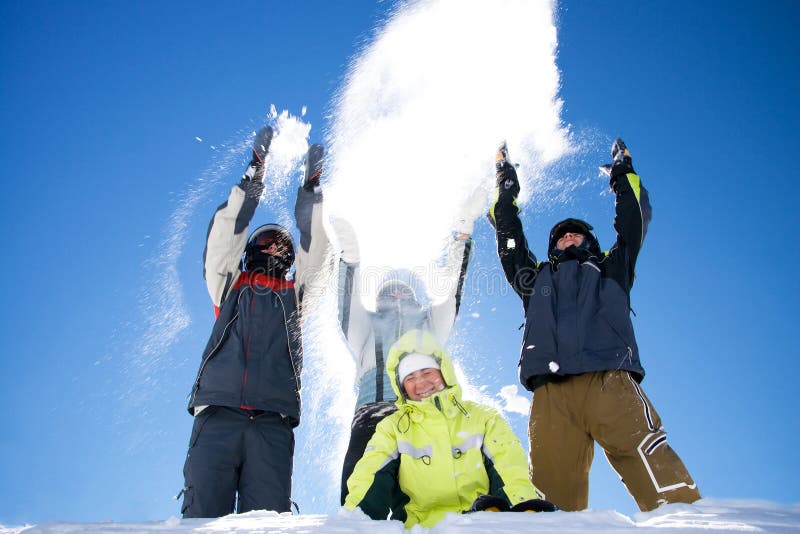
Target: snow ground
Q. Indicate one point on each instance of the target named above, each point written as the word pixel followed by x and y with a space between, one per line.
pixel 708 514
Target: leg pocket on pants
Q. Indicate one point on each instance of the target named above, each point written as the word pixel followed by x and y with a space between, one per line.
pixel 199 422
pixel 188 497
pixel 188 484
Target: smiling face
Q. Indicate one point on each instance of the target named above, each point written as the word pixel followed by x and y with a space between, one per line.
pixel 570 239
pixel 423 383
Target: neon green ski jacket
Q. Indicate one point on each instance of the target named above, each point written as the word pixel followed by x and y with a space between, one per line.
pixel 436 455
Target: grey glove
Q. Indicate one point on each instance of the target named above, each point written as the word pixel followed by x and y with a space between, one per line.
pixel 621 163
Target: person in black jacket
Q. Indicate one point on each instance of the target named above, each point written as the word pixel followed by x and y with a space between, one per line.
pixel 579 355
pixel 246 397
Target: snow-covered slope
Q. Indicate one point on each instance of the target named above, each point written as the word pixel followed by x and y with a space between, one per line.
pixel 708 514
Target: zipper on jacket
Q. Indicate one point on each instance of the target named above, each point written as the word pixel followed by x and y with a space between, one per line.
pixel 454 400
pixel 213 351
pixel 437 403
pixel 247 347
pixel 289 348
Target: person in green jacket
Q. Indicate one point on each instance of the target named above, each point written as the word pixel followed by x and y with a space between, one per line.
pixel 441 453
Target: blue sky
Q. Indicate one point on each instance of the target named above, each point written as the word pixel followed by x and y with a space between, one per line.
pixel 102 105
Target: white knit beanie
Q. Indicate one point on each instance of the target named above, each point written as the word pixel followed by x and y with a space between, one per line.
pixel 414 361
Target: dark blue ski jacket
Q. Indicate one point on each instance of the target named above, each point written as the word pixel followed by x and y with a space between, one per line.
pixel 577 306
pixel 254 357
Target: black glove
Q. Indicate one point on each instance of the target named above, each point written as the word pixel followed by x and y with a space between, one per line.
pixel 534 505
pixel 255 171
pixel 505 173
pixel 489 503
pixel 621 163
pixel 314 160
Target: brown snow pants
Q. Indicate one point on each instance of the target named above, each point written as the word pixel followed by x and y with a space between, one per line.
pixel 609 407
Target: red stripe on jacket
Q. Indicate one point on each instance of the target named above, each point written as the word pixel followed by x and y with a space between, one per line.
pixel 259 279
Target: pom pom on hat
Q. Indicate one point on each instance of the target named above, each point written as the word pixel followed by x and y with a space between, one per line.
pixel 414 362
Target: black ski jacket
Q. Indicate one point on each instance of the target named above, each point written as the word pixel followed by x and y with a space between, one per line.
pixel 577 307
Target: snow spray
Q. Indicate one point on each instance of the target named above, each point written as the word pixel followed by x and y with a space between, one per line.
pixel 149 365
pixel 423 110
pixel 417 122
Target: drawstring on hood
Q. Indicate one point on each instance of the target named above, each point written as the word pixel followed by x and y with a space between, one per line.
pixel 407 416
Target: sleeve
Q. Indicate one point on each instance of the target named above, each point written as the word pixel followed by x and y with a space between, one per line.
pixel 375 477
pixel 452 276
pixel 519 263
pixel 353 316
pixel 313 253
pixel 632 217
pixel 506 463
pixel 226 240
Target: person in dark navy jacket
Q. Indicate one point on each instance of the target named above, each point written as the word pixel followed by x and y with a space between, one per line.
pixel 579 355
pixel 246 397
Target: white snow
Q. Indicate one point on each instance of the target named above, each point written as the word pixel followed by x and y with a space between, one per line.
pixel 708 514
pixel 513 401
pixel 284 162
pixel 420 117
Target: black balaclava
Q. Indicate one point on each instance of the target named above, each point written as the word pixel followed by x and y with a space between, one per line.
pixel 576 226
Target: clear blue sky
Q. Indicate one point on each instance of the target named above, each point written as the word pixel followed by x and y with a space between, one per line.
pixel 101 104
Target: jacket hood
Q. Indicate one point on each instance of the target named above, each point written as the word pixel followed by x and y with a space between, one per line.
pixel 402 289
pixel 422 342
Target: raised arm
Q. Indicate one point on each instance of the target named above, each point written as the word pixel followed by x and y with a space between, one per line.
pixel 452 275
pixel 443 313
pixel 227 233
pixel 353 316
pixel 633 211
pixel 519 263
pixel 313 252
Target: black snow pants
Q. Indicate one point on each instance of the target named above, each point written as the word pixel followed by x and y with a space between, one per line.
pixel 362 429
pixel 234 451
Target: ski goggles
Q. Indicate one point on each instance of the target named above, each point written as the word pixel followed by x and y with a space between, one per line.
pixel 269 238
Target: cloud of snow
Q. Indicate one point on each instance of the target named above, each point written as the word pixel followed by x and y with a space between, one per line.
pixel 283 166
pixel 422 111
pixel 514 402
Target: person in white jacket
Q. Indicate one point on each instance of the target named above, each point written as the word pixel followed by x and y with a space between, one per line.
pixel 400 307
